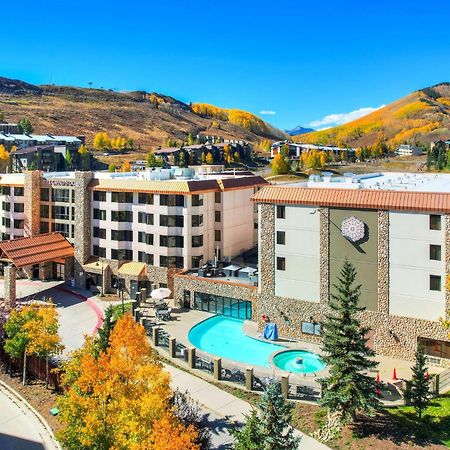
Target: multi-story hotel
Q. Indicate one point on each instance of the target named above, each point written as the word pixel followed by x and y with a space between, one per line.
pixel 140 228
pixel 393 228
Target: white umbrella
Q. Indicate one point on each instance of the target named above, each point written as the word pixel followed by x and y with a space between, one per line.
pixel 160 293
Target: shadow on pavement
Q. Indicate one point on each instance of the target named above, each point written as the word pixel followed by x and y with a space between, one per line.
pixel 8 442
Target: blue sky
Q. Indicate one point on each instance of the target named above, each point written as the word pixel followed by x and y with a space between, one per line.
pixel 301 61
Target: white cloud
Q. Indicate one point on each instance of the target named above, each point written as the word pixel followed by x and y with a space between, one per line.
pixel 267 113
pixel 332 120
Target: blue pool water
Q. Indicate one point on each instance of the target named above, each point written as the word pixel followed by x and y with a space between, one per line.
pixel 298 361
pixel 223 336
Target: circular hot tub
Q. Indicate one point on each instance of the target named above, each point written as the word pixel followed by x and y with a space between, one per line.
pixel 298 361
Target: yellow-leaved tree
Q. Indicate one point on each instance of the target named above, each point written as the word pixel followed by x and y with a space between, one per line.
pixel 126 167
pixel 209 158
pixel 280 165
pixel 102 141
pixel 4 158
pixel 120 398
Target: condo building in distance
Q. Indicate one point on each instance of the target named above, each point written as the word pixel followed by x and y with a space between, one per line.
pixel 133 230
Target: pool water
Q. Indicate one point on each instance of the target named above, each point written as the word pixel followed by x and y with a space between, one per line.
pixel 223 336
pixel 298 361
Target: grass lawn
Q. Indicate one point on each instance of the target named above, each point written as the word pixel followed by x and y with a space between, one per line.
pixel 435 425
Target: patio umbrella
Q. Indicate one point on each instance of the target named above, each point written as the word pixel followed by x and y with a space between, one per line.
pixel 160 293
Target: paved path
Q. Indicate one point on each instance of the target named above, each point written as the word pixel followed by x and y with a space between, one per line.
pixel 222 408
pixel 20 426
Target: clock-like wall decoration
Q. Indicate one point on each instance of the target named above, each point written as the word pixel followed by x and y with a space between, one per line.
pixel 353 229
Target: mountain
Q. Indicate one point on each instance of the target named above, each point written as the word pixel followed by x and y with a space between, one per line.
pixel 147 118
pixel 420 117
pixel 299 130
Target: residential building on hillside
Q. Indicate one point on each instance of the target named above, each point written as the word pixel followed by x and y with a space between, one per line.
pixel 408 150
pixel 9 128
pixel 29 140
pixel 296 149
pixel 395 230
pixel 134 228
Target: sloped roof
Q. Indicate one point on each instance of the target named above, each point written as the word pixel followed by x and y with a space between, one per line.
pixel 132 268
pixel 37 249
pixel 356 198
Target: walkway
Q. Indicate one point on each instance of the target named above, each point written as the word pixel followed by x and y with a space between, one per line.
pixel 21 428
pixel 222 409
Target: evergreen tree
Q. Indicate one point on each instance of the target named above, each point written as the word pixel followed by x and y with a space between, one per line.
pixel 347 389
pixel 190 139
pixel 420 393
pixel 105 330
pixel 25 126
pixel 182 159
pixel 268 428
pixel 151 160
pixel 203 158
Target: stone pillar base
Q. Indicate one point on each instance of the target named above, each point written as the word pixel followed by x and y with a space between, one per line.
pixel 10 286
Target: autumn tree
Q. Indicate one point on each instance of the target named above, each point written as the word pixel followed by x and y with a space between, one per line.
pixel 112 168
pixel 102 141
pixel 126 167
pixel 209 158
pixel 121 399
pixel 4 158
pixel 2 116
pixel 85 155
pixel 279 165
pixel 44 340
pixel 68 159
pixel 236 157
pixel 285 150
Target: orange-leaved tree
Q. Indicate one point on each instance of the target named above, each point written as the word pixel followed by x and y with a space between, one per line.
pixel 126 167
pixel 280 165
pixel 120 398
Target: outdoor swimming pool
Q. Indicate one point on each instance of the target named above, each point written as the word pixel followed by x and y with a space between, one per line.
pixel 223 336
pixel 298 361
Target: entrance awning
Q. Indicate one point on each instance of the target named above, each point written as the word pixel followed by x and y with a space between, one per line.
pixel 94 265
pixel 38 249
pixel 132 269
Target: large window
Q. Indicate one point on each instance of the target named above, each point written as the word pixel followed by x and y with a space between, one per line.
pixel 217 216
pixel 281 263
pixel 435 348
pixel 197 200
pixel 171 221
pixel 146 238
pixel 146 218
pixel 63 228
pixel 435 222
pixel 145 258
pixel 281 212
pixel 171 200
pixel 435 252
pixel 99 214
pixel 18 191
pixel 122 235
pixel 226 306
pixel 196 260
pixel 281 237
pixel 60 195
pixel 99 251
pixel 45 211
pixel 435 283
pixel 60 212
pixel 99 196
pixel 45 194
pixel 217 197
pixel 171 261
pixel 197 220
pixel 145 199
pixel 122 197
pixel 19 207
pixel 44 227
pixel 99 232
pixel 122 255
pixel 197 241
pixel 171 241
pixel 122 216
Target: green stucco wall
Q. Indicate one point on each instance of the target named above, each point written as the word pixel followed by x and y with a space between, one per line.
pixel 363 255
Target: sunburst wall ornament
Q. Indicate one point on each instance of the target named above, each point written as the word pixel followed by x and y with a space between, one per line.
pixel 353 229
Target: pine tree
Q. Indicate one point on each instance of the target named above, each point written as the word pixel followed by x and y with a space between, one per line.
pixel 347 390
pixel 420 393
pixel 25 126
pixel 190 139
pixel 105 330
pixel 182 159
pixel 151 160
pixel 268 428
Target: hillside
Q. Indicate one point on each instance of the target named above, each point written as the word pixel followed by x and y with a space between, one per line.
pixel 420 117
pixel 147 118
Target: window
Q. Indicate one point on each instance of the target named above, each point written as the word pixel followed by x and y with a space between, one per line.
pixel 171 200
pixel 122 216
pixel 146 218
pixel 99 251
pixel 60 212
pixel 122 255
pixel 60 195
pixel 63 228
pixel 197 200
pixel 147 238
pixel 281 237
pixel 122 235
pixel 217 197
pixel 171 221
pixel 6 206
pixel 281 212
pixel 18 191
pixel 197 241
pixel 45 194
pixel 226 306
pixel 171 241
pixel 217 216
pixel 171 261
pixel 217 235
pixel 122 197
pixel 44 227
pixel 45 211
pixel 435 348
pixel 99 196
pixel 435 222
pixel 255 225
pixel 5 190
pixel 6 222
pixel 311 328
pixel 99 214
pixel 99 232
pixel 435 283
pixel 145 199
pixel 196 260
pixel 435 252
pixel 145 258
pixel 18 224
pixel 19 207
pixel 197 220
pixel 281 263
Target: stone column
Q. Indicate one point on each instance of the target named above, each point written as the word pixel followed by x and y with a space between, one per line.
pixel 45 271
pixel 106 279
pixel 68 270
pixel 383 262
pixel 447 262
pixel 10 286
pixel 324 254
pixel 83 226
pixel 32 205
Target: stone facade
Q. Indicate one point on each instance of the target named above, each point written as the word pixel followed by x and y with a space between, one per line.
pixel 83 228
pixel 32 204
pixel 185 282
pixel 10 286
pixel 324 254
pixel 383 262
